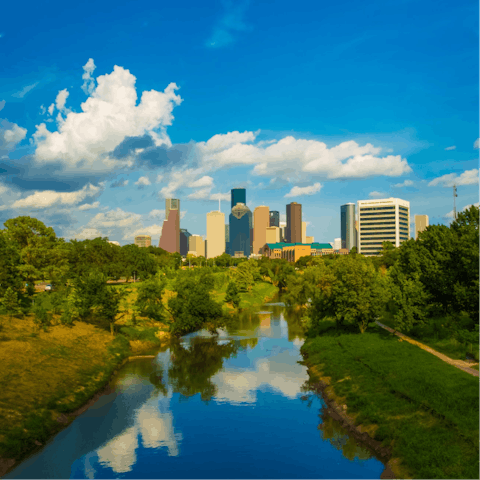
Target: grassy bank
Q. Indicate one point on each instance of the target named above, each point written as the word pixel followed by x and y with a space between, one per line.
pixel 423 409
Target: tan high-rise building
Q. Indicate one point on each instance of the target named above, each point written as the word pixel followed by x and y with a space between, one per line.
pixel 383 220
pixel 304 232
pixel 421 223
pixel 261 221
pixel 273 235
pixel 309 240
pixel 143 240
pixel 196 244
pixel 215 234
pixel 293 232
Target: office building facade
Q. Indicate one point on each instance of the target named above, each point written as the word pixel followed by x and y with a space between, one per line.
pixel 337 243
pixel 347 226
pixel 170 237
pixel 273 235
pixel 261 221
pixel 240 228
pixel 293 231
pixel 143 240
pixel 274 218
pixel 421 223
pixel 196 245
pixel 383 220
pixel 184 235
pixel 239 195
pixel 215 234
pixel 304 232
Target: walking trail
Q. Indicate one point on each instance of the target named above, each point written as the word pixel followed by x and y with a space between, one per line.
pixel 456 363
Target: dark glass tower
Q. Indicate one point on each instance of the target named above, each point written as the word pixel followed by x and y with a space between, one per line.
pixel 239 195
pixel 184 234
pixel 274 219
pixel 240 221
pixel 293 232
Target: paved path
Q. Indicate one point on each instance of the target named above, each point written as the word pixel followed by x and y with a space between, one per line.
pixel 456 363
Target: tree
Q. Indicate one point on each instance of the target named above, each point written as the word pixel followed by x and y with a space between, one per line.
pixel 9 265
pixel 232 295
pixel 109 303
pixel 149 298
pixel 10 302
pixel 279 273
pixel 138 261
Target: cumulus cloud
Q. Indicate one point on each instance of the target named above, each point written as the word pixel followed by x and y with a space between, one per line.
pixel 406 183
pixel 449 215
pixel 201 194
pixel 159 178
pixel 88 81
pixel 49 198
pixel 453 147
pixel 205 181
pixel 157 214
pixel 61 99
pixel 297 160
pixel 468 177
pixel 114 218
pixel 300 191
pixel 85 140
pixel 119 183
pixel 2 104
pixel 220 196
pixel 87 234
pixel 476 143
pixel 178 179
pixel 10 135
pixel 152 230
pixel 51 108
pixel 142 182
pixel 376 194
pixel 89 206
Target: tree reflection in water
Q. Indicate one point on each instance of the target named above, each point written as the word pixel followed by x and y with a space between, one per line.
pixel 191 369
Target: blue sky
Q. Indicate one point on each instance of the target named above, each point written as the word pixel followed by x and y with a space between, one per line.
pixel 107 108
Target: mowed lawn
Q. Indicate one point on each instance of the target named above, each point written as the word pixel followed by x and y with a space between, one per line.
pixel 424 408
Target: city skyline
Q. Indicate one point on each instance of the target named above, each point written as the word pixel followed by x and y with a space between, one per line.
pixel 94 139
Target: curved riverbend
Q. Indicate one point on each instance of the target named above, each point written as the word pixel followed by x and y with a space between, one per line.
pixel 233 406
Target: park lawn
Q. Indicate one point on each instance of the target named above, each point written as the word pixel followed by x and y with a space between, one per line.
pixel 426 410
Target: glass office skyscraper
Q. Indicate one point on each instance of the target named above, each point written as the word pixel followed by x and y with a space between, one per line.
pixel 274 218
pixel 348 233
pixel 240 221
pixel 239 195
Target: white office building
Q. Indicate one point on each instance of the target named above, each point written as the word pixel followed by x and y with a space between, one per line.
pixel 383 220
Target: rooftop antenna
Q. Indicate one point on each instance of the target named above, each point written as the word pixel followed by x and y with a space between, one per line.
pixel 454 207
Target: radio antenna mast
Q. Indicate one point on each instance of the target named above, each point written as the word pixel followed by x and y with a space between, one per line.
pixel 454 206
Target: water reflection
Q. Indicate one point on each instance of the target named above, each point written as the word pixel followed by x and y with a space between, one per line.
pixel 204 403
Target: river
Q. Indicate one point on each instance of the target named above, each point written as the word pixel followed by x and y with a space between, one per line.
pixel 232 406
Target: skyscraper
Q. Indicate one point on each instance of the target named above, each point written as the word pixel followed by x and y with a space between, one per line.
pixel 170 238
pixel 184 235
pixel 274 218
pixel 239 195
pixel 240 221
pixel 261 221
pixel 421 223
pixel 383 220
pixel 304 232
pixel 196 245
pixel 273 235
pixel 227 238
pixel 347 226
pixel 293 231
pixel 215 234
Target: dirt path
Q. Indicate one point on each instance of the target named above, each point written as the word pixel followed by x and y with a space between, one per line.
pixel 456 363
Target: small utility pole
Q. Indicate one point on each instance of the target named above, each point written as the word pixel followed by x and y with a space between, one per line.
pixel 454 206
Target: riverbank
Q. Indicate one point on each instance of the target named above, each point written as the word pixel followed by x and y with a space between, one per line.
pixel 418 413
pixel 50 377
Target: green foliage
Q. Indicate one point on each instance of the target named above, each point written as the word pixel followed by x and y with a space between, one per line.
pixel 9 265
pixel 149 298
pixel 232 295
pixel 193 306
pixel 10 302
pixel 41 316
pixel 388 255
pixel 279 272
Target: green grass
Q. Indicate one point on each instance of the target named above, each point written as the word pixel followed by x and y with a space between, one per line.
pixel 427 409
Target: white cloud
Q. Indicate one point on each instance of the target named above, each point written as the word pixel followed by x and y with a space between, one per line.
pixel 43 110
pixel 21 93
pixel 51 108
pixel 152 230
pixel 10 135
pixel 220 196
pixel 88 234
pixel 159 178
pixel 476 143
pixel 406 183
pixel 178 179
pixel 201 194
pixel 297 160
pixel 299 191
pixel 85 139
pixel 48 198
pixel 205 181
pixel 143 181
pixel 375 194
pixel 88 81
pixel 453 147
pixel 114 218
pixel 119 183
pixel 2 104
pixel 157 214
pixel 89 206
pixel 61 99
pixel 468 177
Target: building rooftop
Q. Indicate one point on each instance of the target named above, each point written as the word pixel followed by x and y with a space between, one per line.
pixel 314 245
